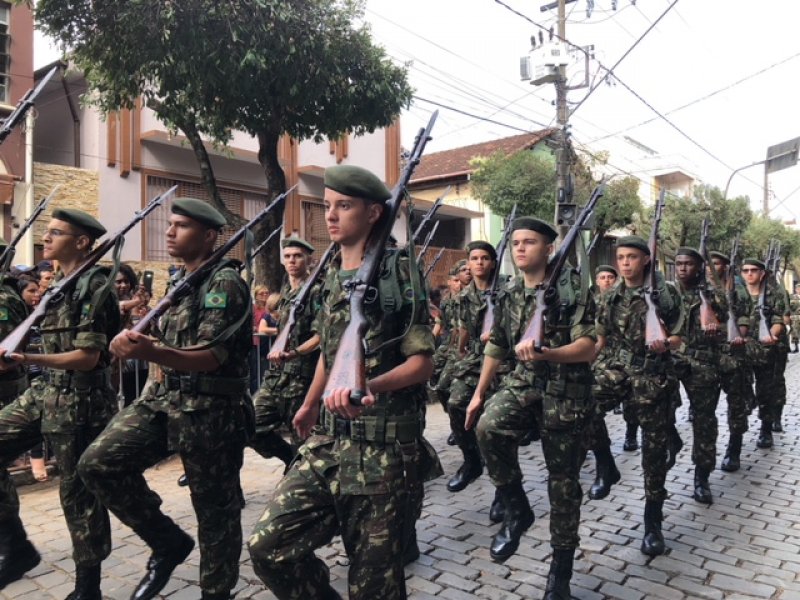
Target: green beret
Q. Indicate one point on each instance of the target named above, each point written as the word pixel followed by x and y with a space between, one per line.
pixel 200 211
pixel 537 225
pixel 719 255
pixel 605 269
pixel 297 243
pixel 459 265
pixel 83 221
pixel 453 272
pixel 356 182
pixel 633 241
pixel 754 262
pixel 686 251
pixel 481 245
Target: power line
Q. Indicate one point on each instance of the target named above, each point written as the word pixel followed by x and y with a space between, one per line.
pixel 474 116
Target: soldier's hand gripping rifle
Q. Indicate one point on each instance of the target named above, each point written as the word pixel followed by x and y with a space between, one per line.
pixel 709 322
pixel 55 293
pixel 435 260
pixel 300 302
pixel 23 106
pixel 547 294
pixel 734 335
pixel 348 369
pixel 191 281
pixel 491 292
pixel 8 254
pixel 654 330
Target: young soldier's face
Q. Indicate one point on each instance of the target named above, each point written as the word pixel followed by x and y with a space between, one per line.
pixel 61 241
pixel 464 276
pixel 686 268
pixel 631 262
pixel 751 274
pixel 720 266
pixel 605 280
pixel 188 238
pixel 295 260
pixel 480 264
pixel 349 219
pixel 454 285
pixel 530 249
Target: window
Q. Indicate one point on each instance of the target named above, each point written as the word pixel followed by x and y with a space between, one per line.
pixel 246 204
pixel 5 46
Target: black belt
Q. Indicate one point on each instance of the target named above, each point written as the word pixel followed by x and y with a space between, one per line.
pixel 387 430
pixel 204 384
pixel 69 379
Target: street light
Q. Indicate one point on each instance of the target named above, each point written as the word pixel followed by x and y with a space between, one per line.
pixel 727 185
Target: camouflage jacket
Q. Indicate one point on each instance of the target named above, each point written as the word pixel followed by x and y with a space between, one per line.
pixel 198 321
pixel 776 307
pixel 694 338
pixel 12 312
pixel 794 304
pixel 471 308
pixel 513 310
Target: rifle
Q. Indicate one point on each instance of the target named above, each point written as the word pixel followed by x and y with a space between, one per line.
pixel 730 289
pixel 547 294
pixel 25 103
pixel 491 292
pixel 56 293
pixel 299 302
pixel 430 267
pixel 348 369
pixel 263 244
pixel 708 318
pixel 654 326
pixel 427 242
pixel 8 254
pixel 590 249
pixel 192 280
pixel 429 215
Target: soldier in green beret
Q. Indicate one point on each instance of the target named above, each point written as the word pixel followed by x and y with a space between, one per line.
pixel 705 309
pixel 605 276
pixel 648 379
pixel 361 472
pixel 69 405
pixel 284 387
pixel 200 408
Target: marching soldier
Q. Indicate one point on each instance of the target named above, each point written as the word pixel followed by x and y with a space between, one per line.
pixel 735 370
pixel 70 405
pixel 291 371
pixel 550 390
pixel 766 353
pixel 358 474
pixel 648 371
pixel 13 311
pixel 200 408
pixel 699 361
pixel 794 307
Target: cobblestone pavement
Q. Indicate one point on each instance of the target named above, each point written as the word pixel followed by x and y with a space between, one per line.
pixel 747 545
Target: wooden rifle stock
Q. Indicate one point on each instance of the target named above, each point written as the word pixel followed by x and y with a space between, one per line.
pixel 348 369
pixel 191 280
pixel 654 330
pixel 16 338
pixel 491 293
pixel 301 300
pixel 708 318
pixel 8 254
pixel 547 294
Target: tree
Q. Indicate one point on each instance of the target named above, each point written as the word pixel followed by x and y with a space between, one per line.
pixel 761 230
pixel 268 67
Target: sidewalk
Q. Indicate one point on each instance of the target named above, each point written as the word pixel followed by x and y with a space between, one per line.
pixel 746 545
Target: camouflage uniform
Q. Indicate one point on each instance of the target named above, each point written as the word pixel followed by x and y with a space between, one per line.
pixel 555 397
pixel 12 312
pixel 649 377
pixel 359 478
pixel 204 417
pixel 69 408
pixel 446 353
pixel 794 308
pixel 285 384
pixel 736 371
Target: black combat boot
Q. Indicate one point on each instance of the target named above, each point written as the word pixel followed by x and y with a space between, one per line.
pixel 17 554
pixel 731 461
pixel 674 446
pixel 451 439
pixel 606 475
pixel 183 481
pixel 631 444
pixel 702 490
pixel 497 512
pixel 777 424
pixel 765 435
pixel 161 565
pixel 467 472
pixel 215 596
pixel 796 350
pixel 518 518
pixel 559 576
pixel 87 584
pixel 411 551
pixel 653 541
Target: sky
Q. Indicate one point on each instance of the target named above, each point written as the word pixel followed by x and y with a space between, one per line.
pixel 737 64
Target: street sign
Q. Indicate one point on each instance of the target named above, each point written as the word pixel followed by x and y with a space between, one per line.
pixel 782 156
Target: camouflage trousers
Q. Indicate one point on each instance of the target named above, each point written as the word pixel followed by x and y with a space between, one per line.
pixel 795 332
pixel 508 416
pixel 439 387
pixel 211 451
pixel 702 384
pixel 771 384
pixel 275 404
pixel 461 392
pixel 87 520
pixel 307 510
pixel 737 382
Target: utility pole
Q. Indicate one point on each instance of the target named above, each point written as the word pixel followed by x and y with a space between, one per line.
pixel 566 210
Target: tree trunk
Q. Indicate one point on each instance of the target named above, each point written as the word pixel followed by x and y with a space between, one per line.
pixel 268 268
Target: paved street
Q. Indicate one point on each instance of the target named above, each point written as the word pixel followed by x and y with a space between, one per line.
pixel 747 545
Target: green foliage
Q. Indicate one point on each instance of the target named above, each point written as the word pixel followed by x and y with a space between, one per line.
pixel 761 230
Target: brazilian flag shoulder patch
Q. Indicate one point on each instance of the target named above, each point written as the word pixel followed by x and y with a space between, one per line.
pixel 3 314
pixel 216 300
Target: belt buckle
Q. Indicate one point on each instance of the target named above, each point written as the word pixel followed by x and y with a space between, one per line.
pixel 358 430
